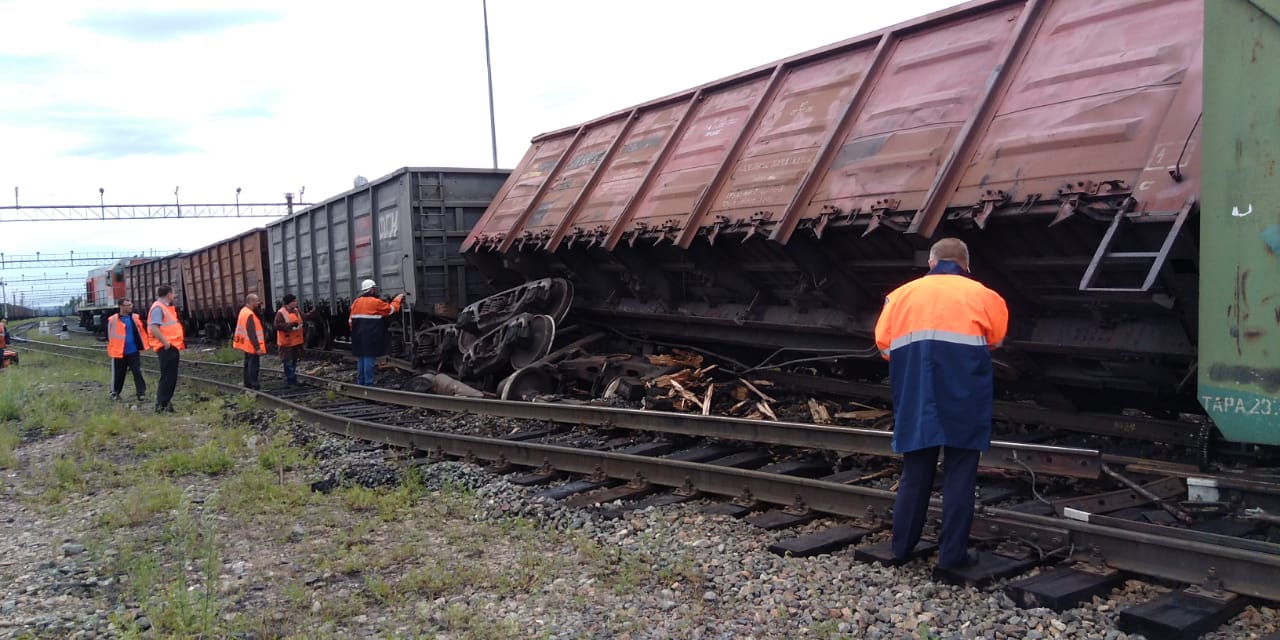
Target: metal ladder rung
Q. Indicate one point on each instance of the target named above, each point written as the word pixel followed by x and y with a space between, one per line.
pixel 1157 257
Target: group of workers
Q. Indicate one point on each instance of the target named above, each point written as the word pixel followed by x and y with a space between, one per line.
pixel 128 336
pixel 936 332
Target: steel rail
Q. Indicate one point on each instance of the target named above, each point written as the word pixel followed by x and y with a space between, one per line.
pixel 1174 554
pixel 1050 460
pixel 1040 459
pixel 1246 567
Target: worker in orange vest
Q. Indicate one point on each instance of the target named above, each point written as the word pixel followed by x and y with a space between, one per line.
pixel 369 335
pixel 126 340
pixel 167 340
pixel 289 337
pixel 250 339
pixel 4 341
pixel 937 333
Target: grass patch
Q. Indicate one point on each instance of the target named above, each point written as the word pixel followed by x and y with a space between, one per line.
pixel 210 459
pixel 142 503
pixel 228 355
pixel 9 441
pixel 13 396
pixel 256 491
pixel 179 603
pixel 388 503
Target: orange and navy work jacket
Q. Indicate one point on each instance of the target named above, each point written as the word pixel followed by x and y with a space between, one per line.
pixel 246 323
pixel 170 326
pixel 937 333
pixel 4 335
pixel 116 331
pixel 369 335
pixel 289 337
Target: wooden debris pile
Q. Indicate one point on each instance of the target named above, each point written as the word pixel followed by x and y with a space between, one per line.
pixel 694 388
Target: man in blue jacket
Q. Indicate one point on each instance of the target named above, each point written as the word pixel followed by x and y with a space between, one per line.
pixel 937 333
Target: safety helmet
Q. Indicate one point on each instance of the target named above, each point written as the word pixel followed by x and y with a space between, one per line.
pixel 367 285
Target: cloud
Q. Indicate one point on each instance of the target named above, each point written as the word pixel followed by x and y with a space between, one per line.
pixel 246 112
pixel 106 134
pixel 126 136
pixel 161 25
pixel 25 69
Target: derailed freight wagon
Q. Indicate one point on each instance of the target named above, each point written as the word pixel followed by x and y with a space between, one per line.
pixel 772 210
pixel 402 230
pixel 216 280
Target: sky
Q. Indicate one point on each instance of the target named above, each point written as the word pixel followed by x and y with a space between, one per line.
pixel 141 97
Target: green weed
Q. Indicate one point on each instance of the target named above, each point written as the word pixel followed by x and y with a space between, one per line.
pixel 210 459
pixel 142 503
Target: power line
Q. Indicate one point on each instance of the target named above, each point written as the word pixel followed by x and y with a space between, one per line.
pixel 103 211
pixel 73 259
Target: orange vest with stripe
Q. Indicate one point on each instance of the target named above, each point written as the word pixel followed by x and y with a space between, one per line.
pixel 937 333
pixel 3 343
pixel 116 335
pixel 170 328
pixel 290 337
pixel 241 339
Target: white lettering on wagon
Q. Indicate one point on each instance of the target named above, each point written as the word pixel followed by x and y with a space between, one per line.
pixel 1242 406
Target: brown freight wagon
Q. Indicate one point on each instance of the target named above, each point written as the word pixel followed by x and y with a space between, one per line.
pixel 771 211
pixel 217 278
pixel 142 280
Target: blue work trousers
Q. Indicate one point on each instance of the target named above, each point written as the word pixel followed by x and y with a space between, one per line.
pixel 364 370
pixel 911 507
pixel 290 371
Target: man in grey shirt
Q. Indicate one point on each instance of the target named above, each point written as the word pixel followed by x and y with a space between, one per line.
pixel 167 340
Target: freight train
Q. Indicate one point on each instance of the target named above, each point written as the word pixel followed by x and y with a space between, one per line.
pixel 764 216
pixel 403 230
pixel 771 211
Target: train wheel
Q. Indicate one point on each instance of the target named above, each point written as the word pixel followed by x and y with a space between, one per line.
pixel 213 331
pixel 526 383
pixel 561 299
pixel 542 332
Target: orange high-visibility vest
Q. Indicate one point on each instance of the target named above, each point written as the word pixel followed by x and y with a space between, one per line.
pixel 290 337
pixel 3 343
pixel 170 328
pixel 115 335
pixel 241 339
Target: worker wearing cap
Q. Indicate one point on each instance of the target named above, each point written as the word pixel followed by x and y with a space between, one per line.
pixel 126 340
pixel 289 337
pixel 937 332
pixel 369 335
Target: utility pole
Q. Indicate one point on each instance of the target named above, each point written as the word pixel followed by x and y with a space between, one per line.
pixel 488 65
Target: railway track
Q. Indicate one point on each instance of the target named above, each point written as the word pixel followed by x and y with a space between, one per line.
pixel 772 474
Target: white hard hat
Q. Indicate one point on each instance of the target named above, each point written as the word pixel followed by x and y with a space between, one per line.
pixel 367 285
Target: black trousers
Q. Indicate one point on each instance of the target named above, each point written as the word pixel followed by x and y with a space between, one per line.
pixel 911 508
pixel 168 377
pixel 122 366
pixel 252 365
